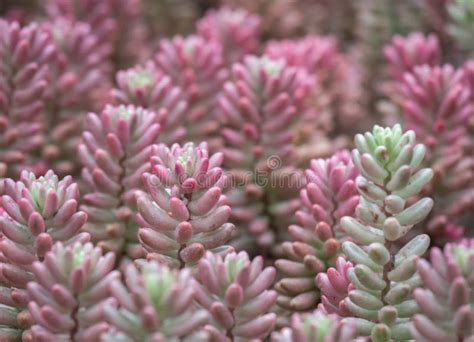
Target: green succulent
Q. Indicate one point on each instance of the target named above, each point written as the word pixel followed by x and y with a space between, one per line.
pixel 384 275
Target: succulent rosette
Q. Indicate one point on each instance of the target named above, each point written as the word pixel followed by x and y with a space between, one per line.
pixel 78 74
pixel 334 97
pixel 183 213
pixel 334 285
pixel 37 212
pixel 155 304
pixel 237 30
pixel 24 56
pixel 330 194
pixel 117 24
pixel 259 106
pixel 446 298
pixel 115 151
pixel 316 326
pixel 235 290
pixel 403 54
pixel 147 87
pixel 384 273
pixel 196 65
pixel 70 290
pixel 443 126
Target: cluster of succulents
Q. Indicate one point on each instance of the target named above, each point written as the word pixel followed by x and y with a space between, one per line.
pixel 236 170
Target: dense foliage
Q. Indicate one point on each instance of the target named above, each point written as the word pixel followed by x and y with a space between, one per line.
pixel 236 170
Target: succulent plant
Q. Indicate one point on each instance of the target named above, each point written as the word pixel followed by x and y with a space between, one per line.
pixel 442 125
pixel 315 327
pixel 314 53
pixel 24 57
pixel 82 68
pixel 197 67
pixel 117 24
pixel 384 274
pixel 446 299
pixel 71 288
pixel 79 74
pixel 329 194
pixel 145 86
pixel 403 54
pixel 335 285
pixel 155 304
pixel 333 105
pixel 36 213
pixel 85 11
pixel 182 212
pixel 235 29
pixel 115 151
pixel 219 203
pixel 437 122
pixel 235 292
pixel 258 107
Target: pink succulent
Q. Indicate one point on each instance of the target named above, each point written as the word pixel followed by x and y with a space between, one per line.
pixel 442 124
pixel 24 57
pixel 235 292
pixel 36 213
pixel 118 24
pixel 258 108
pixel 145 86
pixel 182 213
pixel 403 54
pixel 79 74
pixel 314 53
pixel 446 298
pixel 335 286
pixel 334 103
pixel 115 151
pixel 329 195
pixel 70 290
pixel 155 304
pixel 235 29
pixel 197 67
